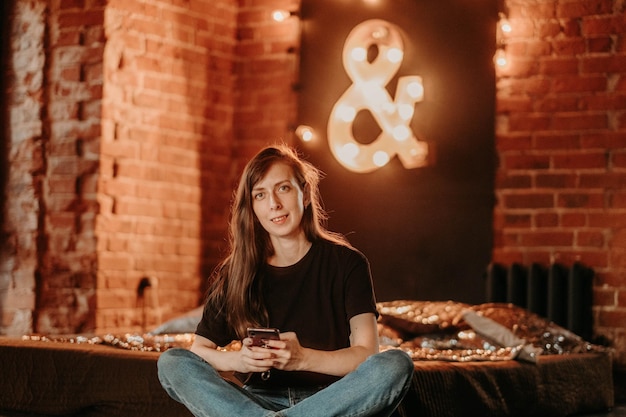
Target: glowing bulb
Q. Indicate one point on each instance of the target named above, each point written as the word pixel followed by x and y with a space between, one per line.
pixel 305 133
pixel 500 58
pixel 346 113
pixel 380 33
pixel 406 111
pixel 280 15
pixel 359 54
pixel 395 55
pixel 380 158
pixel 505 26
pixel 389 108
pixel 348 152
pixel 414 152
pixel 415 89
pixel 401 133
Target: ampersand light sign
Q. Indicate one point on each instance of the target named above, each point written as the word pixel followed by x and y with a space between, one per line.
pixel 368 92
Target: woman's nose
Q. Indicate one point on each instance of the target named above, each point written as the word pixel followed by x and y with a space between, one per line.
pixel 274 202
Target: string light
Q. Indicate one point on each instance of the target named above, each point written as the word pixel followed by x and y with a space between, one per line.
pixel 504 29
pixel 505 25
pixel 284 17
pixel 305 133
pixel 280 15
pixel 500 58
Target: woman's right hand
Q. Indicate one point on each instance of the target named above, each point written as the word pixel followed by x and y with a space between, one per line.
pixel 255 358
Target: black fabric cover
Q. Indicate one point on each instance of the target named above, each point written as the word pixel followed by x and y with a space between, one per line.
pixel 47 378
pixel 558 385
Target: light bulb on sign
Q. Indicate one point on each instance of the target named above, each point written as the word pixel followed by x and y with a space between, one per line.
pixel 401 133
pixel 380 33
pixel 348 152
pixel 416 89
pixel 389 108
pixel 359 54
pixel 406 111
pixel 381 158
pixel 395 55
pixel 346 113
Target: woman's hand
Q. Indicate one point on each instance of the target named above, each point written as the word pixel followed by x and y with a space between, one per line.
pixel 256 358
pixel 287 354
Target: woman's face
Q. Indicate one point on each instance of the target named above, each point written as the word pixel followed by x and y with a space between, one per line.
pixel 278 202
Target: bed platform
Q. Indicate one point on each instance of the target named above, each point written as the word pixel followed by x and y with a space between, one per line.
pixel 77 377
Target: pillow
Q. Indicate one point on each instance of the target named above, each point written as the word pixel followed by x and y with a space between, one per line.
pixel 186 323
pixel 422 317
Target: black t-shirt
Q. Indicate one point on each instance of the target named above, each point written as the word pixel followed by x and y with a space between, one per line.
pixel 315 298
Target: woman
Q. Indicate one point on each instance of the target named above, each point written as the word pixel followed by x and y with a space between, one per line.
pixel 286 271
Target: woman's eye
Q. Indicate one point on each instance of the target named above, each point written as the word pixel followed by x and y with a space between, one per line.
pixel 284 188
pixel 258 196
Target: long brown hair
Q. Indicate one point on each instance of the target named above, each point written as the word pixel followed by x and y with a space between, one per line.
pixel 235 287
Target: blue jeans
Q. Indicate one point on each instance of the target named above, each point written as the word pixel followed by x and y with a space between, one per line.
pixel 375 388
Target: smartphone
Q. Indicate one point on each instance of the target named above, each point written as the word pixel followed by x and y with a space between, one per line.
pixel 260 336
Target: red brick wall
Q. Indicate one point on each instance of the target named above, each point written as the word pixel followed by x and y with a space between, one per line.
pixel 165 154
pixel 561 140
pixel 267 77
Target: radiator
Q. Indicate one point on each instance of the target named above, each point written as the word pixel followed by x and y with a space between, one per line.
pixel 561 294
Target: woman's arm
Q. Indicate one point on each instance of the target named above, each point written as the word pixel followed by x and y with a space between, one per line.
pixel 291 356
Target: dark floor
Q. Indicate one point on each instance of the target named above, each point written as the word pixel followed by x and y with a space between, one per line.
pixel 617 411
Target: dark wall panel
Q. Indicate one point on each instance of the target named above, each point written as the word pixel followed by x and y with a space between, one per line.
pixel 427 231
